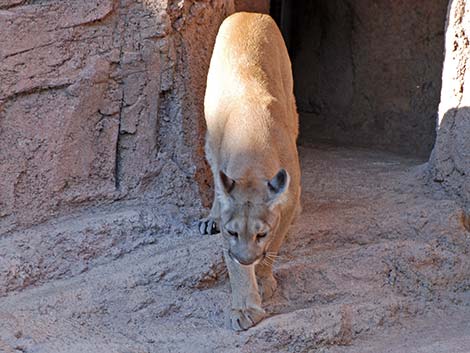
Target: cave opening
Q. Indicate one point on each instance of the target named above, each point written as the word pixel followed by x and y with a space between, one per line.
pixel 366 73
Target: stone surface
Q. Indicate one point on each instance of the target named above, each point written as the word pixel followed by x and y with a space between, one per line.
pixel 450 159
pixel 100 105
pixel 261 6
pixel 443 332
pixel 368 72
pixel 101 101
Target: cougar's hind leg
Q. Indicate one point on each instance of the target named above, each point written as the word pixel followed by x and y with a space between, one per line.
pixel 209 224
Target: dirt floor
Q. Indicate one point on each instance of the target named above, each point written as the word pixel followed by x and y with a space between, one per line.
pixel 377 262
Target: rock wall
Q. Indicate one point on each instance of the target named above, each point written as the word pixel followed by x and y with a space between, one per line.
pixel 261 6
pixel 368 72
pixel 101 101
pixel 101 129
pixel 450 160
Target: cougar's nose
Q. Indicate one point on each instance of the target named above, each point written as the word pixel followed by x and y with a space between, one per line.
pixel 243 260
pixel 246 262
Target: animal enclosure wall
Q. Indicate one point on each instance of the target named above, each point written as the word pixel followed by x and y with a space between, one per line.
pixel 101 129
pixel 368 72
pixel 101 101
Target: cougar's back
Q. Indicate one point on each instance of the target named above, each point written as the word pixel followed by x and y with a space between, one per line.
pixel 252 123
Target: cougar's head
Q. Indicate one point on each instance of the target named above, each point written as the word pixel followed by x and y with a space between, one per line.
pixel 250 215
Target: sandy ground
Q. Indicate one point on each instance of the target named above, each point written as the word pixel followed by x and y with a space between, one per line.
pixel 377 262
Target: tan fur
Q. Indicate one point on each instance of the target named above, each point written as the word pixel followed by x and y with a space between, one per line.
pixel 252 127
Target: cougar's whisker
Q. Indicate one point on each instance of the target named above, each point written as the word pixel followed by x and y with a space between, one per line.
pixel 265 262
pixel 269 261
pixel 277 257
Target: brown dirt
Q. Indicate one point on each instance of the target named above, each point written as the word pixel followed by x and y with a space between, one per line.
pixel 377 253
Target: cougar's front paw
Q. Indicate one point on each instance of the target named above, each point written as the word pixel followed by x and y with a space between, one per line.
pixel 243 319
pixel 267 286
pixel 208 226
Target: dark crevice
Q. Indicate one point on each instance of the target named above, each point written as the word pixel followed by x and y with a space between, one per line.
pixel 117 158
pixel 14 5
pixel 365 74
pixel 28 50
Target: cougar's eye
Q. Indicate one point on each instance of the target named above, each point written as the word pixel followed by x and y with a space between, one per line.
pixel 261 235
pixel 233 234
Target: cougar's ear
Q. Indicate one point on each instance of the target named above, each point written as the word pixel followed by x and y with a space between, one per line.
pixel 278 185
pixel 227 183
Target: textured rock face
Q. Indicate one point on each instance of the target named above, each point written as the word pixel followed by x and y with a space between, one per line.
pixel 100 101
pixel 368 72
pixel 261 6
pixel 450 159
pixel 101 129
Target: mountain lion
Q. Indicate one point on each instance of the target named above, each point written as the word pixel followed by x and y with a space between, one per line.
pixel 252 128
